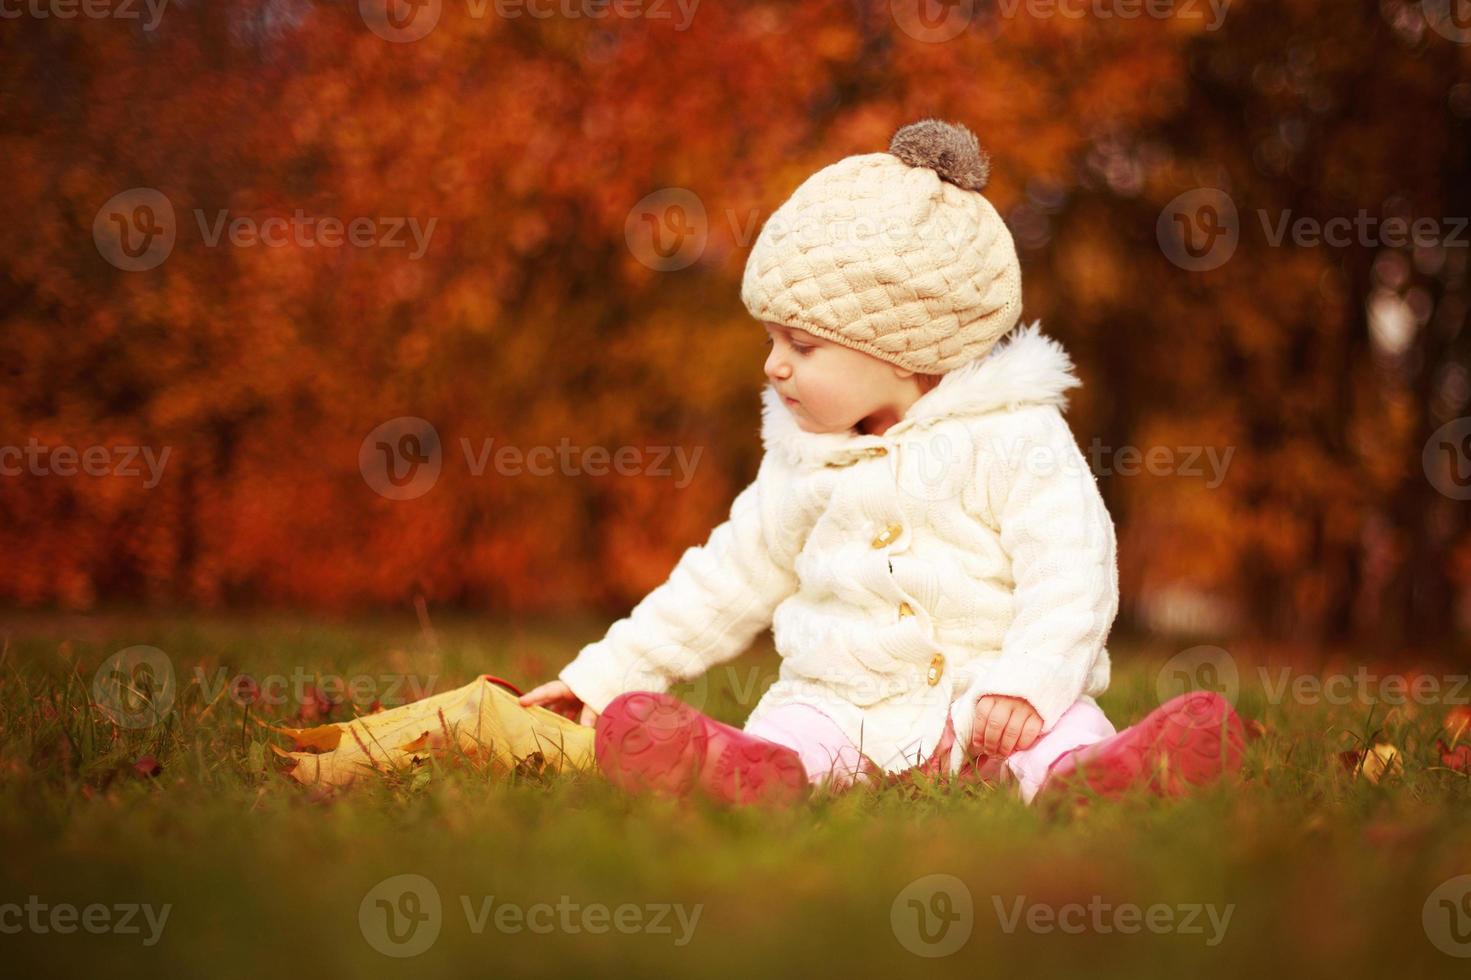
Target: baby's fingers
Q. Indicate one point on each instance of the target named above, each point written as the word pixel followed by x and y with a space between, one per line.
pixel 550 691
pixel 1030 731
pixel 996 725
pixel 978 725
pixel 1007 743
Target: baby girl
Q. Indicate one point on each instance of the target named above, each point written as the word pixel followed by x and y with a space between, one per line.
pixel 923 536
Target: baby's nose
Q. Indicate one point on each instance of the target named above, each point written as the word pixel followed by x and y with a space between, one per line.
pixel 776 367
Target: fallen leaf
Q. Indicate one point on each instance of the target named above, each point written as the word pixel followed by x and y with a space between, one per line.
pixel 147 766
pixel 322 738
pixel 1457 758
pixel 1380 760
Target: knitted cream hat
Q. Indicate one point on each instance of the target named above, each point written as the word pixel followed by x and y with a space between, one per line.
pixel 895 254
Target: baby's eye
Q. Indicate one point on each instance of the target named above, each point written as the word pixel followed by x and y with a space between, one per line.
pixel 800 349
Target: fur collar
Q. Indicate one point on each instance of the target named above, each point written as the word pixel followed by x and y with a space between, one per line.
pixel 1024 368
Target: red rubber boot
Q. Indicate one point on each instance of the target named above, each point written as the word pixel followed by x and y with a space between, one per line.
pixel 1190 740
pixel 648 742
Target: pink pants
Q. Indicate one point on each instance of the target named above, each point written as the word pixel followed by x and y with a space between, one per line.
pixel 827 754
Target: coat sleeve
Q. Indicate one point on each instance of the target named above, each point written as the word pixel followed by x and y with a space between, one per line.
pixel 717 598
pixel 1060 538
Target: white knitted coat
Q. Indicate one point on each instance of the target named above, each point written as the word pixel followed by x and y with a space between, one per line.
pixel 965 551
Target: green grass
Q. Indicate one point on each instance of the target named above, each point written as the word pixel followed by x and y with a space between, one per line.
pixel 1323 874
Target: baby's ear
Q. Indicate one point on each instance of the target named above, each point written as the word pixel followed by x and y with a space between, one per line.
pixel 927 382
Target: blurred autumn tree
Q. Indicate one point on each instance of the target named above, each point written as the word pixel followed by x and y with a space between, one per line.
pixel 537 314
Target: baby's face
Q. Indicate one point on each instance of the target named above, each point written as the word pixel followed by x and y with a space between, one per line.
pixel 829 387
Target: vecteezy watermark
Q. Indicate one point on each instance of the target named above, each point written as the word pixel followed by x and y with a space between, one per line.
pixel 1162 461
pixel 667 230
pixel 933 21
pixel 34 459
pixel 1446 459
pixel 1446 916
pixel 1200 668
pixel 89 9
pixel 933 916
pixel 1211 668
pixel 670 228
pixel 1200 229
pixel 386 689
pixel 1213 12
pixel 136 230
pixel 682 12
pixel 512 460
pixel 404 21
pixel 1451 19
pixel 402 916
pixel 937 466
pixel 1365 687
pixel 402 459
pixel 64 918
pixel 310 231
pixel 1102 916
pixel 936 21
pixel 135 687
pixel 653 918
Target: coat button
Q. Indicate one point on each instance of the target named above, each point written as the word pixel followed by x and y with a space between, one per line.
pixel 887 535
pixel 937 667
pixel 905 609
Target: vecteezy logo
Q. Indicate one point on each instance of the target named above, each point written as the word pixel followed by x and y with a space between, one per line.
pixel 667 229
pixel 932 21
pixel 1198 230
pixel 1203 668
pixel 933 916
pixel 1447 916
pixel 135 687
pixel 135 229
pixel 400 21
pixel 934 466
pixel 401 458
pixel 1447 459
pixel 1451 19
pixel 401 916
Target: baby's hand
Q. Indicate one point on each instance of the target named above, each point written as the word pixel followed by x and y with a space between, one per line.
pixel 558 697
pixel 1004 724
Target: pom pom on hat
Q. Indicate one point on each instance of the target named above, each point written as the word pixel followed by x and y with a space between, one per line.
pixel 949 149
